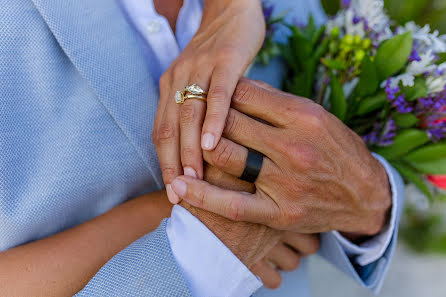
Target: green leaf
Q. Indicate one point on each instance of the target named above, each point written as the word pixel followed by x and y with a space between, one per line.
pixel 406 141
pixel 430 159
pixel 419 90
pixel 393 55
pixel 433 152
pixel 337 98
pixel 372 103
pixel 368 80
pixel 412 176
pixel 431 167
pixel 405 120
pixel 334 64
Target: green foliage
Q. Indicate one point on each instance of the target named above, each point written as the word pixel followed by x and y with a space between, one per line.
pixel 393 55
pixel 369 79
pixel 372 103
pixel 423 12
pixel 412 176
pixel 406 141
pixel 424 233
pixel 405 120
pixel 302 53
pixel 419 90
pixel 337 98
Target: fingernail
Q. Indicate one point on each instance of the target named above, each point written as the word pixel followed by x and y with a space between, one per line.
pixel 189 171
pixel 179 187
pixel 172 196
pixel 207 143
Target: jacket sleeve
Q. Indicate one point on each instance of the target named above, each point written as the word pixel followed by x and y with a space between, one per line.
pixel 145 268
pixel 372 275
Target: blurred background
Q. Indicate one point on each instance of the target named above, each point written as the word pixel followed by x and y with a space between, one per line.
pixel 419 266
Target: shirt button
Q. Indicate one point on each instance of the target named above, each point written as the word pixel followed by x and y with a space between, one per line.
pixel 153 27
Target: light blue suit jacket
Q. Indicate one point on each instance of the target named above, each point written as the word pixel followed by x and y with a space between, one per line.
pixel 77 104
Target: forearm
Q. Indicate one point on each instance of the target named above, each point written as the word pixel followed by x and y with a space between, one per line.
pixel 63 264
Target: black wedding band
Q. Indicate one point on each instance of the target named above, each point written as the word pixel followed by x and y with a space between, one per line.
pixel 253 167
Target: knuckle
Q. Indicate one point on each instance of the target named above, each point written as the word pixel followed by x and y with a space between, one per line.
pixel 181 67
pixel 231 123
pixel 201 197
pixel 169 172
pixel 188 153
pixel 166 133
pixel 218 93
pixel 314 116
pixel 234 211
pixel 292 264
pixel 244 92
pixel 222 154
pixel 188 112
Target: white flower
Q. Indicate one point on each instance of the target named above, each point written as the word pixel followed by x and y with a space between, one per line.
pixel 373 12
pixel 424 39
pixel 435 84
pixel 423 66
pixel 368 13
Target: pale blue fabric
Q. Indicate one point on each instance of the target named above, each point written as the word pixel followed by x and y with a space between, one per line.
pixel 77 105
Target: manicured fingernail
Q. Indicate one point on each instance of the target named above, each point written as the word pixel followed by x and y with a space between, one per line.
pixel 179 187
pixel 189 171
pixel 207 143
pixel 172 196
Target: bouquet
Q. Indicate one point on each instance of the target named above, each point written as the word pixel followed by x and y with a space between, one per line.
pixel 388 84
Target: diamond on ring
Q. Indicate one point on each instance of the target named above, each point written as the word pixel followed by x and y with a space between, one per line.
pixel 179 97
pixel 194 89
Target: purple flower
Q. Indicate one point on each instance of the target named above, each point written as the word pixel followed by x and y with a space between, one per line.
pixel 399 102
pixel 414 56
pixel 268 10
pixel 345 3
pixel 432 111
pixel 382 136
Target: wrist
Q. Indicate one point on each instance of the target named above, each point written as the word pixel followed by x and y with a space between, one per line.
pixel 378 203
pixel 248 242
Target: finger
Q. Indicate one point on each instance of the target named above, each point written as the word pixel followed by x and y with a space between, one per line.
pixel 224 180
pixel 191 123
pixel 284 258
pixel 254 99
pixel 305 244
pixel 223 83
pixel 231 158
pixel 236 206
pixel 251 133
pixel 167 142
pixel 270 277
pixel 191 120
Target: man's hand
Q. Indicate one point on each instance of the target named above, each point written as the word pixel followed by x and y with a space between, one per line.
pixel 317 174
pixel 286 253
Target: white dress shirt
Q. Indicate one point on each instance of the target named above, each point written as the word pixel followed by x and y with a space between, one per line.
pixel 196 249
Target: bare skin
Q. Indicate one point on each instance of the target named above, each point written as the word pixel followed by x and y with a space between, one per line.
pixel 317 174
pixel 230 35
pixel 62 264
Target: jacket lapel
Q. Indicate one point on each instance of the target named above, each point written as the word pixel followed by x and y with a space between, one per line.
pixel 101 44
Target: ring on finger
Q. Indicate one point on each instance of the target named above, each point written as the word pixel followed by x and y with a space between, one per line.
pixel 190 92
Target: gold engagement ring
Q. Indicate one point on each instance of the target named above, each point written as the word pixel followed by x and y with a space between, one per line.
pixel 190 92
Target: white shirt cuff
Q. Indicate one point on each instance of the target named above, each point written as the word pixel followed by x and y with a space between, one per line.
pixel 374 248
pixel 207 265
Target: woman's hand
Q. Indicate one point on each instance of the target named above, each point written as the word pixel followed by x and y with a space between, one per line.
pixel 230 35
